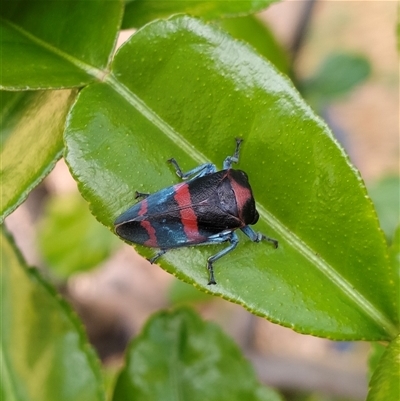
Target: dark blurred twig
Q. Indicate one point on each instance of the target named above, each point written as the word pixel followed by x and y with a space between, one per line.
pixel 301 29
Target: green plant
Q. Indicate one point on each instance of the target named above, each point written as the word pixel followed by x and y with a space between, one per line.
pixel 184 88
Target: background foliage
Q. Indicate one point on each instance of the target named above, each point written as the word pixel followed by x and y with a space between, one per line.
pixel 185 88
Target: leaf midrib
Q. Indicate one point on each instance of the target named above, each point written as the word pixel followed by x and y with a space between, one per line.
pixel 89 69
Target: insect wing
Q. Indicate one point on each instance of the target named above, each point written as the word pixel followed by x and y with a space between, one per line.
pixel 213 203
pixel 184 214
pixel 146 221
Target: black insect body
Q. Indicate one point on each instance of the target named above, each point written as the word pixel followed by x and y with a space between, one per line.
pixel 206 208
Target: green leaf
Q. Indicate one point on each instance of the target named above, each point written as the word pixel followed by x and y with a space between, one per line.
pixel 394 252
pixel 140 12
pixel 31 131
pixel 181 88
pixel 385 382
pixel 56 44
pixel 338 75
pixel 251 30
pixel 375 355
pixel 70 239
pixel 394 256
pixel 180 292
pixel 178 356
pixel 45 355
pixel 386 197
pixel 110 374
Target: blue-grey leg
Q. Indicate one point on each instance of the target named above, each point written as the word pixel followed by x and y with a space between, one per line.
pixel 233 239
pixel 215 239
pixel 199 171
pixel 257 237
pixel 235 158
pixel 155 257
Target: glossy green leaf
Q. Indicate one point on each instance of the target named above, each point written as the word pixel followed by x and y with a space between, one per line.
pixel 255 32
pixel 140 12
pixel 32 125
pixel 338 74
pixel 56 44
pixel 44 354
pixel 181 88
pixel 70 239
pixel 178 356
pixel 386 197
pixel 385 382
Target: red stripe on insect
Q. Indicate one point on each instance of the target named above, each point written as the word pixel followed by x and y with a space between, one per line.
pixel 242 195
pixel 188 216
pixel 143 208
pixel 152 241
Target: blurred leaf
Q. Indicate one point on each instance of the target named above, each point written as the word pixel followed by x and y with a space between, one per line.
pixel 45 45
pixel 253 31
pixel 386 197
pixel 45 355
pixel 180 292
pixel 178 356
pixel 385 382
pixel 56 44
pixel 181 88
pixel 71 239
pixel 140 12
pixel 375 355
pixel 8 103
pixel 394 256
pixel 398 35
pixel 379 363
pixel 337 76
pixel 31 127
pixel 110 374
pixel 394 251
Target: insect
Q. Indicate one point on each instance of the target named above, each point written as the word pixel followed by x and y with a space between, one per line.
pixel 206 208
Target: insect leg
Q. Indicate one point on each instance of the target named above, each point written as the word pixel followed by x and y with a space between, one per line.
pixel 199 171
pixel 155 257
pixel 257 237
pixel 235 158
pixel 141 195
pixel 233 239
